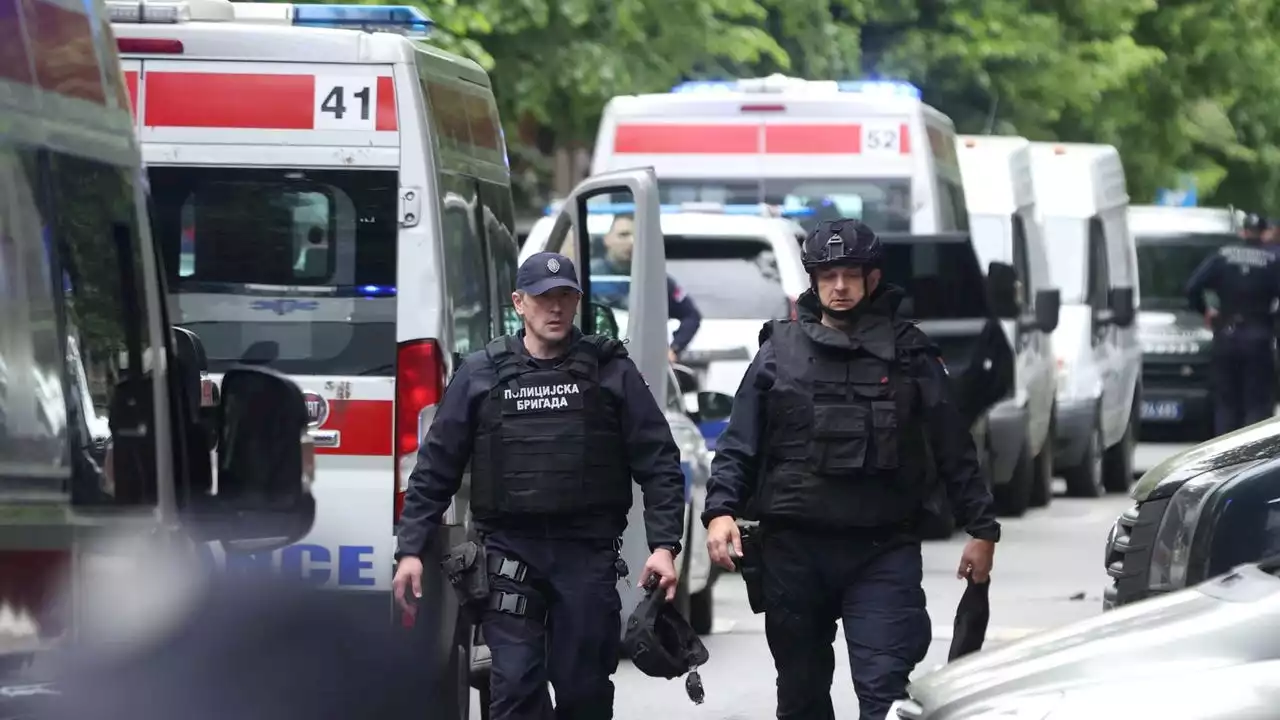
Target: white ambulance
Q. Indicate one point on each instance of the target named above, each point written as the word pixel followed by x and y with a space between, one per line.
pixel 867 149
pixel 332 199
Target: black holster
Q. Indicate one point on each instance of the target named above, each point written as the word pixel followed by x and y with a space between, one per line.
pixel 467 568
pixel 751 566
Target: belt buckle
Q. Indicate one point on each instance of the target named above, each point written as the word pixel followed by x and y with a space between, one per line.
pixel 513 569
pixel 512 603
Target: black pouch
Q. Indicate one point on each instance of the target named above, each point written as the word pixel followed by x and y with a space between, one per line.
pixel 752 569
pixel 467 568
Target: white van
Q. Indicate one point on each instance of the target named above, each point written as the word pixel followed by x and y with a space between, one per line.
pixel 1002 221
pixel 865 149
pixel 1083 209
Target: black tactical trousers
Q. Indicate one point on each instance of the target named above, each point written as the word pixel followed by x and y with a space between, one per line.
pixel 568 633
pixel 1243 377
pixel 873 584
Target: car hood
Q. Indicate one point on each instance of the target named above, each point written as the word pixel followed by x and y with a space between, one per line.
pixel 1259 441
pixel 1160 322
pixel 1221 623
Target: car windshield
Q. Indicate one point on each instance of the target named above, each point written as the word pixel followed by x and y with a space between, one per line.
pixel 1166 262
pixel 882 203
pixel 293 269
pixel 728 278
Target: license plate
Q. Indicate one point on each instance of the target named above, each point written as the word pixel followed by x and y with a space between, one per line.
pixel 1162 410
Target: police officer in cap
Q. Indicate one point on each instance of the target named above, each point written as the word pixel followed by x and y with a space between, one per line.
pixel 838 431
pixel 1246 279
pixel 555 424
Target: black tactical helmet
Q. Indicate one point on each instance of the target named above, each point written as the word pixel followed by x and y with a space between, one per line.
pixel 841 242
pixel 661 643
pixel 1253 222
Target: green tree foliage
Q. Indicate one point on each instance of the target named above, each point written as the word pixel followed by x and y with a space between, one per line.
pixel 1177 85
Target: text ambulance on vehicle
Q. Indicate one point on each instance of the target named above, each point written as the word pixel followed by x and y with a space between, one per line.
pixel 867 149
pixel 332 199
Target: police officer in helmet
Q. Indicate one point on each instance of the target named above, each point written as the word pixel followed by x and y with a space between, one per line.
pixel 1246 279
pixel 839 428
pixel 555 424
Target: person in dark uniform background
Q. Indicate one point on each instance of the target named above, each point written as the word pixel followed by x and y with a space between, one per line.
pixel 618 245
pixel 554 424
pixel 1246 279
pixel 838 431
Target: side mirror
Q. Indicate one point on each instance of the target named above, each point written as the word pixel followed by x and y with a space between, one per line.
pixel 1048 308
pixel 266 464
pixel 1002 290
pixel 605 322
pixel 685 378
pixel 1123 309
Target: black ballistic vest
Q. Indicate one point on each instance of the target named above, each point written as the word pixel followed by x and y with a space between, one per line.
pixel 549 441
pixel 845 443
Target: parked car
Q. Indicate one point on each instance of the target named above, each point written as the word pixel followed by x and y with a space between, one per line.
pixel 1206 653
pixel 1172 242
pixel 1196 515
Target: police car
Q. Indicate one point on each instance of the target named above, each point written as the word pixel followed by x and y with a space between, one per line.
pixel 867 149
pixel 332 199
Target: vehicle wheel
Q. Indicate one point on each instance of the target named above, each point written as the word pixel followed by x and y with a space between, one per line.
pixel 1013 498
pixel 702 611
pixel 1042 480
pixel 1086 479
pixel 1117 463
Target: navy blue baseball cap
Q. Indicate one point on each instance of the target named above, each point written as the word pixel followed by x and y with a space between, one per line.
pixel 545 271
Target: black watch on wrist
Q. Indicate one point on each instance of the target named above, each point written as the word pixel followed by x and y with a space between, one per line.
pixel 669 548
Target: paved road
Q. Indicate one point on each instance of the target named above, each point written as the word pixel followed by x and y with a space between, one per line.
pixel 1048 573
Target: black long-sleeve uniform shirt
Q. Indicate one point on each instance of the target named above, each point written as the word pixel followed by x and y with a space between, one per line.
pixel 445 453
pixel 736 467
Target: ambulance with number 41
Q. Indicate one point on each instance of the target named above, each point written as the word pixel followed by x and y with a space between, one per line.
pixel 332 199
pixel 867 149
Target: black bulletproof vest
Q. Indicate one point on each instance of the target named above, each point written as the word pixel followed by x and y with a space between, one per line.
pixel 845 441
pixel 548 441
pixel 1249 284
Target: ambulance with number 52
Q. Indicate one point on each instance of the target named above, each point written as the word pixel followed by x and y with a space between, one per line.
pixel 867 149
pixel 332 199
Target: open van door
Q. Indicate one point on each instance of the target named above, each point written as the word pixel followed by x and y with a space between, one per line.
pixel 631 196
pixel 946 292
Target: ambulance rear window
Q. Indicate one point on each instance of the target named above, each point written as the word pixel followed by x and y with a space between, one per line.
pixel 295 269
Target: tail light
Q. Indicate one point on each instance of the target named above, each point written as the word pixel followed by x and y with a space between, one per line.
pixel 420 375
pixel 149 46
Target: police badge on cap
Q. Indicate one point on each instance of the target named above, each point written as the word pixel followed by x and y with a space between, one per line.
pixel 546 271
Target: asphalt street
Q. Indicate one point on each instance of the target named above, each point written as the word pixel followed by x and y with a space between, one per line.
pixel 1048 572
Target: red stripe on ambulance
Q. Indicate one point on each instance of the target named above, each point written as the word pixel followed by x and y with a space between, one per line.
pixel 812 139
pixel 248 101
pixel 665 139
pixel 224 100
pixel 364 427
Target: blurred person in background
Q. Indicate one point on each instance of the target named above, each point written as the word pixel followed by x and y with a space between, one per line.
pixel 618 245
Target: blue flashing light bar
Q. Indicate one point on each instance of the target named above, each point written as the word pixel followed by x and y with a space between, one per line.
pixel 376 291
pixel 403 18
pixel 889 88
pixel 886 88
pixel 756 210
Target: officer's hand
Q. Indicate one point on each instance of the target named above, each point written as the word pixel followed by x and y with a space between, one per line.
pixel 408 575
pixel 723 534
pixel 976 560
pixel 663 564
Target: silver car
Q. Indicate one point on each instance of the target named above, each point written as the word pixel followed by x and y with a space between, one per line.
pixel 1205 653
